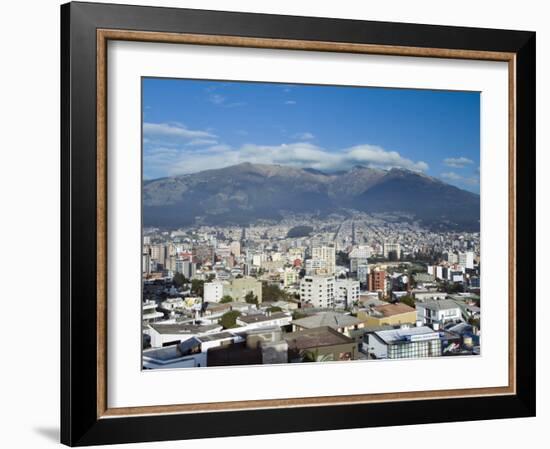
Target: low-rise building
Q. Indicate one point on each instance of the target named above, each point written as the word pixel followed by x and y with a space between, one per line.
pixel 403 343
pixel 387 315
pixel 340 322
pixel 184 355
pixel 438 312
pixel 259 320
pixel 174 333
pixel 150 313
pixel 239 288
pixel 213 291
pixel 321 344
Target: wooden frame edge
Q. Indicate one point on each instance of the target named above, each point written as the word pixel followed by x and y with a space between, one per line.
pixel 101 223
pixel 103 36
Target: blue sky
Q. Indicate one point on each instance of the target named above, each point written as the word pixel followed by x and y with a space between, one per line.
pixel 194 125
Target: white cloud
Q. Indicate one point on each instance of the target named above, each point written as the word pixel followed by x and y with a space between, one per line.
pixel 290 102
pixel 451 176
pixel 296 154
pixel 221 100
pixel 455 178
pixel 378 157
pixel 173 130
pixel 304 136
pixel 457 162
pixel 216 99
pixel 201 142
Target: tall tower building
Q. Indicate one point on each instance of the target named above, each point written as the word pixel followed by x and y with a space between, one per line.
pixel 328 255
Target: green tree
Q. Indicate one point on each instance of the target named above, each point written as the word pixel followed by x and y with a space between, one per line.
pixel 272 293
pixel 297 315
pixel 342 258
pixel 407 300
pixel 251 298
pixel 197 287
pixel 475 322
pixel 228 319
pixel 178 280
pixel 314 356
pixel 274 309
pixel 225 299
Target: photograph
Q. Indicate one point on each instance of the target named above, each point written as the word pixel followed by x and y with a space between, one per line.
pixel 295 223
pixel 251 195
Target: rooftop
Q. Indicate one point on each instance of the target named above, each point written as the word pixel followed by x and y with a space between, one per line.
pixel 184 328
pixel 334 320
pixel 173 351
pixel 388 310
pixel 407 334
pixel 257 318
pixel 314 338
pixel 439 304
pixel 235 354
pixel 216 336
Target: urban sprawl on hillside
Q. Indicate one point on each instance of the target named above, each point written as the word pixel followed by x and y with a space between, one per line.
pixel 309 289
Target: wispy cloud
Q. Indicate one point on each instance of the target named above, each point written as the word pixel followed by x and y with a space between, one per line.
pixel 455 178
pixel 296 154
pixel 290 102
pixel 457 162
pixel 216 99
pixel 201 142
pixel 304 136
pixel 173 130
pixel 222 101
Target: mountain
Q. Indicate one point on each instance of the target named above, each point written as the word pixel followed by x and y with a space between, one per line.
pixel 241 194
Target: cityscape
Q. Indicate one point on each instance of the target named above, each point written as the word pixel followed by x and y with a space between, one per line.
pixel 306 251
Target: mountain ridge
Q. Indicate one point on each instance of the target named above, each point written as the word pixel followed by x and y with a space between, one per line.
pixel 243 193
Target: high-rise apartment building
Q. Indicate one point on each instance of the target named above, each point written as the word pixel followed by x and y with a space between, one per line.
pixel 346 291
pixel 466 259
pixel 377 281
pixel 318 291
pixel 392 248
pixel 326 253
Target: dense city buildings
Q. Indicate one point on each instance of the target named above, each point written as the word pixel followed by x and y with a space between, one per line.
pixel 308 289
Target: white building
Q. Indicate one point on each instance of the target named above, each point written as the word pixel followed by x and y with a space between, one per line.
pixel 326 253
pixel 213 291
pixel 259 259
pixel 436 270
pixel 347 291
pixel 258 321
pixel 235 248
pixel 362 273
pixel 466 259
pixel 358 256
pixel 316 267
pixel 175 333
pixel 439 311
pixel 175 356
pixel 404 343
pixel 318 291
pixel 172 304
pixel 392 247
pixel 186 267
pixel 150 313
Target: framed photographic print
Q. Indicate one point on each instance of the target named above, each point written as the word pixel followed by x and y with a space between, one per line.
pixel 281 224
